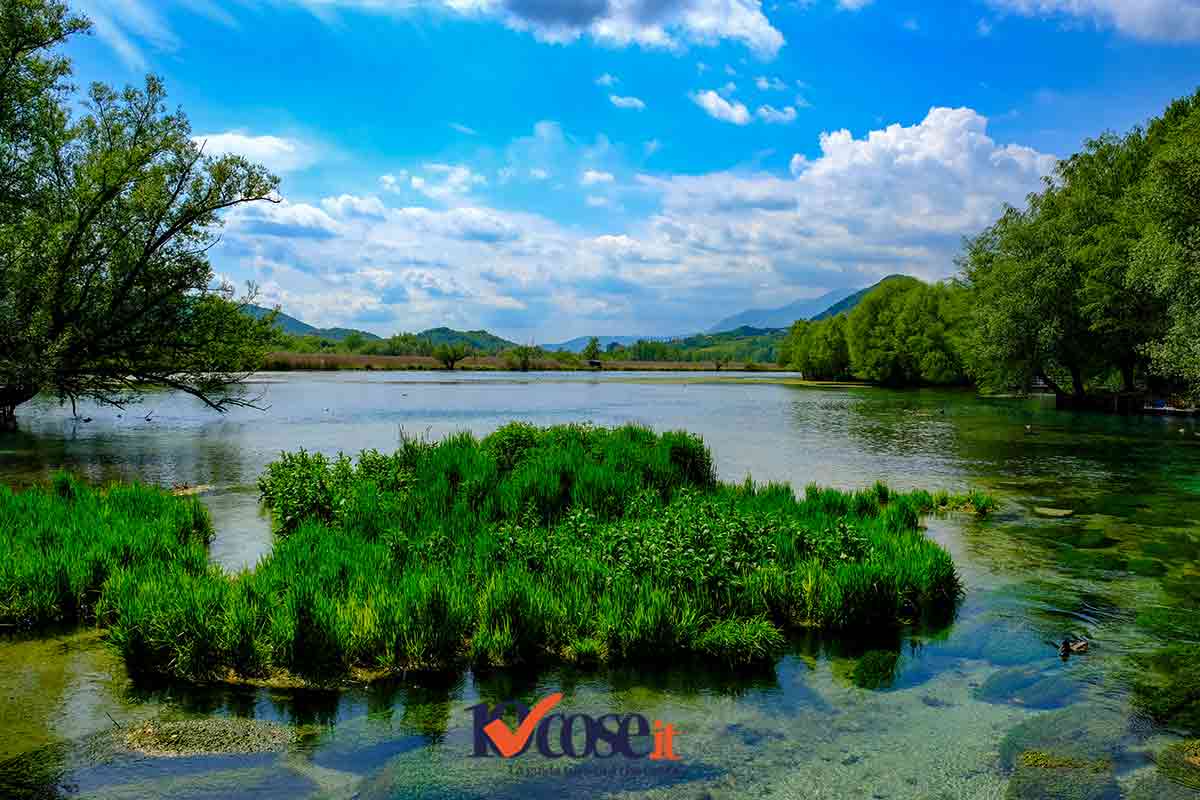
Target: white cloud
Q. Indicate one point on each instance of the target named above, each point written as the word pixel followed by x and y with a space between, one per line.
pixel 393 183
pixel 651 147
pixel 853 5
pixel 983 27
pixel 592 177
pixel 778 116
pixel 458 126
pixel 539 174
pixel 277 153
pixel 627 102
pixel 1164 20
pixel 607 80
pixel 666 24
pixel 718 107
pixel 765 83
pixel 446 182
pixel 348 205
pixel 898 199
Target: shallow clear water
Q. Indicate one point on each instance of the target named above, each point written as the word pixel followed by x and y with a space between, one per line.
pixel 816 725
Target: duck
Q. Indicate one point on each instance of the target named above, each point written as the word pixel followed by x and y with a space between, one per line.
pixel 1071 646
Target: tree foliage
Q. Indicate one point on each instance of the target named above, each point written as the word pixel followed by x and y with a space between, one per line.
pixel 903 333
pixel 450 354
pixel 1093 283
pixel 592 351
pixel 105 284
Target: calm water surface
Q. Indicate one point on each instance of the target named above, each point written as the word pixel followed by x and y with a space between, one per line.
pixel 935 722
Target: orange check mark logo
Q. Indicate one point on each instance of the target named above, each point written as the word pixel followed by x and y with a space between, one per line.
pixel 508 742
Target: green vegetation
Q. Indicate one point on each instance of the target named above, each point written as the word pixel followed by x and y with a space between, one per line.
pixel 1094 285
pixel 901 333
pixel 741 345
pixel 106 218
pixel 59 545
pixel 569 543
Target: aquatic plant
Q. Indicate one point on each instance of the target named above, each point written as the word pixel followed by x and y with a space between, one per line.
pixel 572 544
pixel 60 543
pixel 1167 686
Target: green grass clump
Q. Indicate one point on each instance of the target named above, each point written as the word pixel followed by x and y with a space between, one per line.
pixel 60 543
pixel 567 544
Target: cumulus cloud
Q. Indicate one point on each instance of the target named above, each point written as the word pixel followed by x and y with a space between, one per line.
pixel 607 80
pixel 765 83
pixel 898 199
pixel 634 103
pixel 669 24
pixel 718 107
pixel 1164 20
pixel 277 153
pixel 854 5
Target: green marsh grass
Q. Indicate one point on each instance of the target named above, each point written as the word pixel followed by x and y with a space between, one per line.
pixel 565 544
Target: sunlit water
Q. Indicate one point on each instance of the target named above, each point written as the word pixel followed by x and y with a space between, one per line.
pixel 806 728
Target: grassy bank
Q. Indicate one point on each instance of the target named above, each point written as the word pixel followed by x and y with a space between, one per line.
pixel 567 544
pixel 282 362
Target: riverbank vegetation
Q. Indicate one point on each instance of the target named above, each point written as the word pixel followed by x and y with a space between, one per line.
pixel 1091 288
pixel 565 544
pixel 740 348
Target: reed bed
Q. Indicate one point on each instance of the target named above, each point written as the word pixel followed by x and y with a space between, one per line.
pixel 565 544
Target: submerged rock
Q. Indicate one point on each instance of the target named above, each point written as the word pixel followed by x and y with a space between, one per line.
pixel 1028 687
pixel 1076 734
pixel 208 736
pixel 1038 777
pixel 1045 511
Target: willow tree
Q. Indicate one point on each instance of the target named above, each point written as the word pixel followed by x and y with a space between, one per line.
pixel 108 217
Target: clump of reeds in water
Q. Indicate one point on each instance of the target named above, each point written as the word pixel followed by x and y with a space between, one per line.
pixel 564 544
pixel 60 543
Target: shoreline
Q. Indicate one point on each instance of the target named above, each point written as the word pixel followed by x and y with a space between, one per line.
pixel 332 362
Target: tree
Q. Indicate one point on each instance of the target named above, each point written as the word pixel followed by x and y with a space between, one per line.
pixel 105 284
pixel 1166 261
pixel 522 357
pixel 1028 316
pixel 450 354
pixel 1094 281
pixel 592 351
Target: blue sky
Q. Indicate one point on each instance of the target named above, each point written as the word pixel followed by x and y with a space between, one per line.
pixel 547 169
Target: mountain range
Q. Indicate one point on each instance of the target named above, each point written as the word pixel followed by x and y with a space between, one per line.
pixel 294 327
pixel 783 316
pixel 751 323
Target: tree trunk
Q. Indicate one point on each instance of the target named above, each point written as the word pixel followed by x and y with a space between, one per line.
pixel 10 398
pixel 1077 383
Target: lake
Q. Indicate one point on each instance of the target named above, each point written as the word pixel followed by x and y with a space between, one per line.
pixel 941 719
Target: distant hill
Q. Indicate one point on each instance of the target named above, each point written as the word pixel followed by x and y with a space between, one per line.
pixel 784 316
pixel 294 327
pixel 480 341
pixel 577 344
pixel 847 305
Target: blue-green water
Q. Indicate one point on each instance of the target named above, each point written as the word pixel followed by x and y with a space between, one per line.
pixel 932 722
